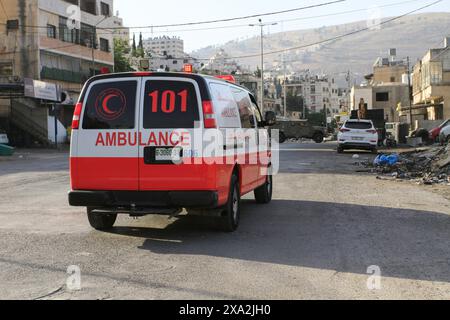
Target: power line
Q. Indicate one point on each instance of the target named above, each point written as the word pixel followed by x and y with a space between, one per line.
pixel 235 18
pixel 287 49
pixel 235 26
pixel 211 21
pixel 340 36
pixel 281 21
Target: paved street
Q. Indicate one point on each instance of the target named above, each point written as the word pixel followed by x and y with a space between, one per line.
pixel 316 240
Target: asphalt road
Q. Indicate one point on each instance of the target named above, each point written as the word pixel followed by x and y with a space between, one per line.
pixel 326 226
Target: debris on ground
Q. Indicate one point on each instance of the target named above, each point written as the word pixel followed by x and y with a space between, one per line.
pixel 429 167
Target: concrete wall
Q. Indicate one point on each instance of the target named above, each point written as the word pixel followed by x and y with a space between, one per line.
pixel 397 94
pixel 359 93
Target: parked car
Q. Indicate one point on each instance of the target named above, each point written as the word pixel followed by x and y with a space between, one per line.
pixel 128 127
pixel 436 132
pixel 358 135
pixel 300 129
pixel 3 137
pixel 444 136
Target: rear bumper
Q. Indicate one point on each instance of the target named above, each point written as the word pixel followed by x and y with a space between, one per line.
pixel 358 146
pixel 153 199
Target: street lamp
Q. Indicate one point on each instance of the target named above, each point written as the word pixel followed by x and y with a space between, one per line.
pixel 262 25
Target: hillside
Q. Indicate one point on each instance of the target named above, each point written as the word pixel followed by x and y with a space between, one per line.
pixel 412 36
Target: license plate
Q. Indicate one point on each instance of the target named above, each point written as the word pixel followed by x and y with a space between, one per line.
pixel 167 154
pixel 357 138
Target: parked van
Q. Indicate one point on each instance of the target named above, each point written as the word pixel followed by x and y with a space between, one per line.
pixel 129 130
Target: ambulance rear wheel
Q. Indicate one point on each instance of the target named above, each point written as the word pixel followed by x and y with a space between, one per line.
pixel 101 221
pixel 232 214
pixel 263 194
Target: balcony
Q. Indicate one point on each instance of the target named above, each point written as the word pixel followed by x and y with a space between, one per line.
pixel 64 75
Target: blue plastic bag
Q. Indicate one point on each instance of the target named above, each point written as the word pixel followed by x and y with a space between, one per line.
pixel 383 160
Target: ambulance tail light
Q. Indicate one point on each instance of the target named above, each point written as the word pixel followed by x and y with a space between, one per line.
pixel 76 116
pixel 209 116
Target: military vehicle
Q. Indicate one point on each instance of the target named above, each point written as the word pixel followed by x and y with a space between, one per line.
pixel 300 129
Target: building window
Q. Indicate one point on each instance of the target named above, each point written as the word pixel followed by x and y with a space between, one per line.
pixel 104 45
pixel 66 34
pixel 88 36
pixel 6 69
pixel 89 6
pixel 51 31
pixel 104 9
pixel 382 96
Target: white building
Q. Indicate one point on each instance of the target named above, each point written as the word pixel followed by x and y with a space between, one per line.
pixel 165 46
pixel 220 63
pixel 168 63
pixel 318 92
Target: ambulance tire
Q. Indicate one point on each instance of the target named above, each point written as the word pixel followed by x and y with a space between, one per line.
pixel 263 194
pixel 101 222
pixel 282 138
pixel 232 213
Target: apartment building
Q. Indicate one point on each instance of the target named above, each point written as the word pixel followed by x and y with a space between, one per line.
pixel 431 85
pixel 165 46
pixel 62 42
pixel 319 92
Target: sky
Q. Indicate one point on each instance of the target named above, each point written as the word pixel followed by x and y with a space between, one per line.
pixel 137 13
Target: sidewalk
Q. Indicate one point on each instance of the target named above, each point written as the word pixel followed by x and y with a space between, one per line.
pixel 36 154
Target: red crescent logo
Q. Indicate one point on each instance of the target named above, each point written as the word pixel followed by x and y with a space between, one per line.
pixel 111 104
pixel 105 103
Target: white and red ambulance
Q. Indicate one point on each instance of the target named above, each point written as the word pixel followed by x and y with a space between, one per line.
pixel 128 128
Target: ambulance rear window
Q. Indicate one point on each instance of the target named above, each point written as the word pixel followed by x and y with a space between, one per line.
pixel 111 105
pixel 170 105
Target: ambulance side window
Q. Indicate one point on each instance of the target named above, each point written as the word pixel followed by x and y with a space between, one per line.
pixel 111 106
pixel 245 108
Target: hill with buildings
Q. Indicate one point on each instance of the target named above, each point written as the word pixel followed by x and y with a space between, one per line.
pixel 411 36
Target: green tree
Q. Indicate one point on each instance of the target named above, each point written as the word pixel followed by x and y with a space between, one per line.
pixel 121 50
pixel 133 47
pixel 140 52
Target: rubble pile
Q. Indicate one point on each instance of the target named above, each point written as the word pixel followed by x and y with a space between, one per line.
pixel 431 166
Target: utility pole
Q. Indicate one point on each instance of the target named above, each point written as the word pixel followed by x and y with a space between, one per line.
pixel 262 25
pixel 93 41
pixel 349 89
pixel 410 94
pixel 284 87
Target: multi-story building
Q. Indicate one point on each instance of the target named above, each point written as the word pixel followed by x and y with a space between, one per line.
pixel 385 89
pixel 431 85
pixel 165 46
pixel 389 69
pixel 320 93
pixel 63 42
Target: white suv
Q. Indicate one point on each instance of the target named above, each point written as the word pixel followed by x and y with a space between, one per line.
pixel 359 135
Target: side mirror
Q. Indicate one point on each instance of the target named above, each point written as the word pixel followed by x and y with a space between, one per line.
pixel 270 119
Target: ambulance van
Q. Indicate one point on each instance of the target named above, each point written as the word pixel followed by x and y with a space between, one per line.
pixel 135 147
